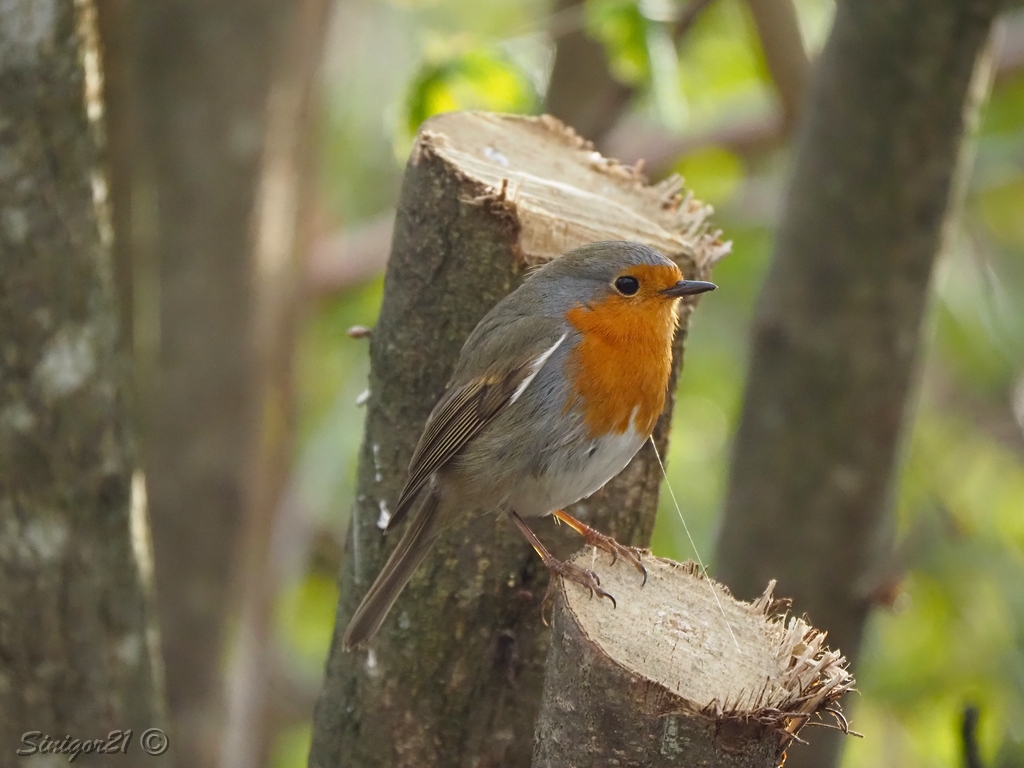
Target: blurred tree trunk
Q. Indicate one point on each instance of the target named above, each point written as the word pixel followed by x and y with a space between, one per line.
pixel 838 327
pixel 201 87
pixel 77 637
pixel 283 229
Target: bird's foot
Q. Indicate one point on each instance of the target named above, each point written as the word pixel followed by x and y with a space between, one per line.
pixel 604 542
pixel 582 576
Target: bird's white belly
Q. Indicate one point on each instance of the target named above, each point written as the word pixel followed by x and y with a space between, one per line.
pixel 575 475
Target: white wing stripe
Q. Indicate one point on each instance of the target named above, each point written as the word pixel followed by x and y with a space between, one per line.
pixel 535 368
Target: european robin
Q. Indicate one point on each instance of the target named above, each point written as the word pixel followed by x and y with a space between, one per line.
pixel 554 392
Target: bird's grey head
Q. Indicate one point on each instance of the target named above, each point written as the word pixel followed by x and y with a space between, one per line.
pixel 613 267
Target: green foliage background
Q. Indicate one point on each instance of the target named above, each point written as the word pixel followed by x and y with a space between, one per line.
pixel 952 632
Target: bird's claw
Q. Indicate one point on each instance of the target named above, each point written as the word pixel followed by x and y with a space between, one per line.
pixel 582 576
pixel 612 547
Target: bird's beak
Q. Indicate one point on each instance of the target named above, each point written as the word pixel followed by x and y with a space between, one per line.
pixel 688 288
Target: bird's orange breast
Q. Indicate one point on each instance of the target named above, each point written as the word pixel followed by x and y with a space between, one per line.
pixel 621 366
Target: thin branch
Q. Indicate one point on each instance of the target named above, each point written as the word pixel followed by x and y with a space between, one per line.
pixel 349 256
pixel 778 28
pixel 969 734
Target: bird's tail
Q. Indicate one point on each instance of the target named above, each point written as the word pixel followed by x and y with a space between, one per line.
pixel 411 549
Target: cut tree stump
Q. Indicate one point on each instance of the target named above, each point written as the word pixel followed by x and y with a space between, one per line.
pixel 679 673
pixel 455 675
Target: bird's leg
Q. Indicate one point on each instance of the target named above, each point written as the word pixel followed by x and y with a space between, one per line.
pixel 602 541
pixel 581 576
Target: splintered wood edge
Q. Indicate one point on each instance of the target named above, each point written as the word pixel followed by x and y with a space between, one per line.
pixel 715 655
pixel 565 194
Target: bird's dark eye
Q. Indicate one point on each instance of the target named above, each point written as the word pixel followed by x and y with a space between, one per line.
pixel 627 285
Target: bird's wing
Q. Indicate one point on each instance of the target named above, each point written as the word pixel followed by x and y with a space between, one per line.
pixel 473 399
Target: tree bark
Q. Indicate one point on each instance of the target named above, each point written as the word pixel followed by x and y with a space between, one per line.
pixel 678 673
pixel 454 677
pixel 203 76
pixel 117 40
pixel 838 327
pixel 76 628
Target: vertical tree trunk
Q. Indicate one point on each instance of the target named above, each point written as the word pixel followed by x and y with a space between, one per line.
pixel 203 78
pixel 76 632
pixel 838 327
pixel 282 224
pixel 454 677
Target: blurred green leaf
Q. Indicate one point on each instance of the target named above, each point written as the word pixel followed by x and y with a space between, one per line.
pixel 291 748
pixel 969 350
pixel 306 610
pixel 721 64
pixel 980 317
pixel 1002 209
pixel 490 18
pixel 1003 112
pixel 328 361
pixel 474 79
pixel 622 29
pixel 695 476
pixel 713 173
pixel 665 76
